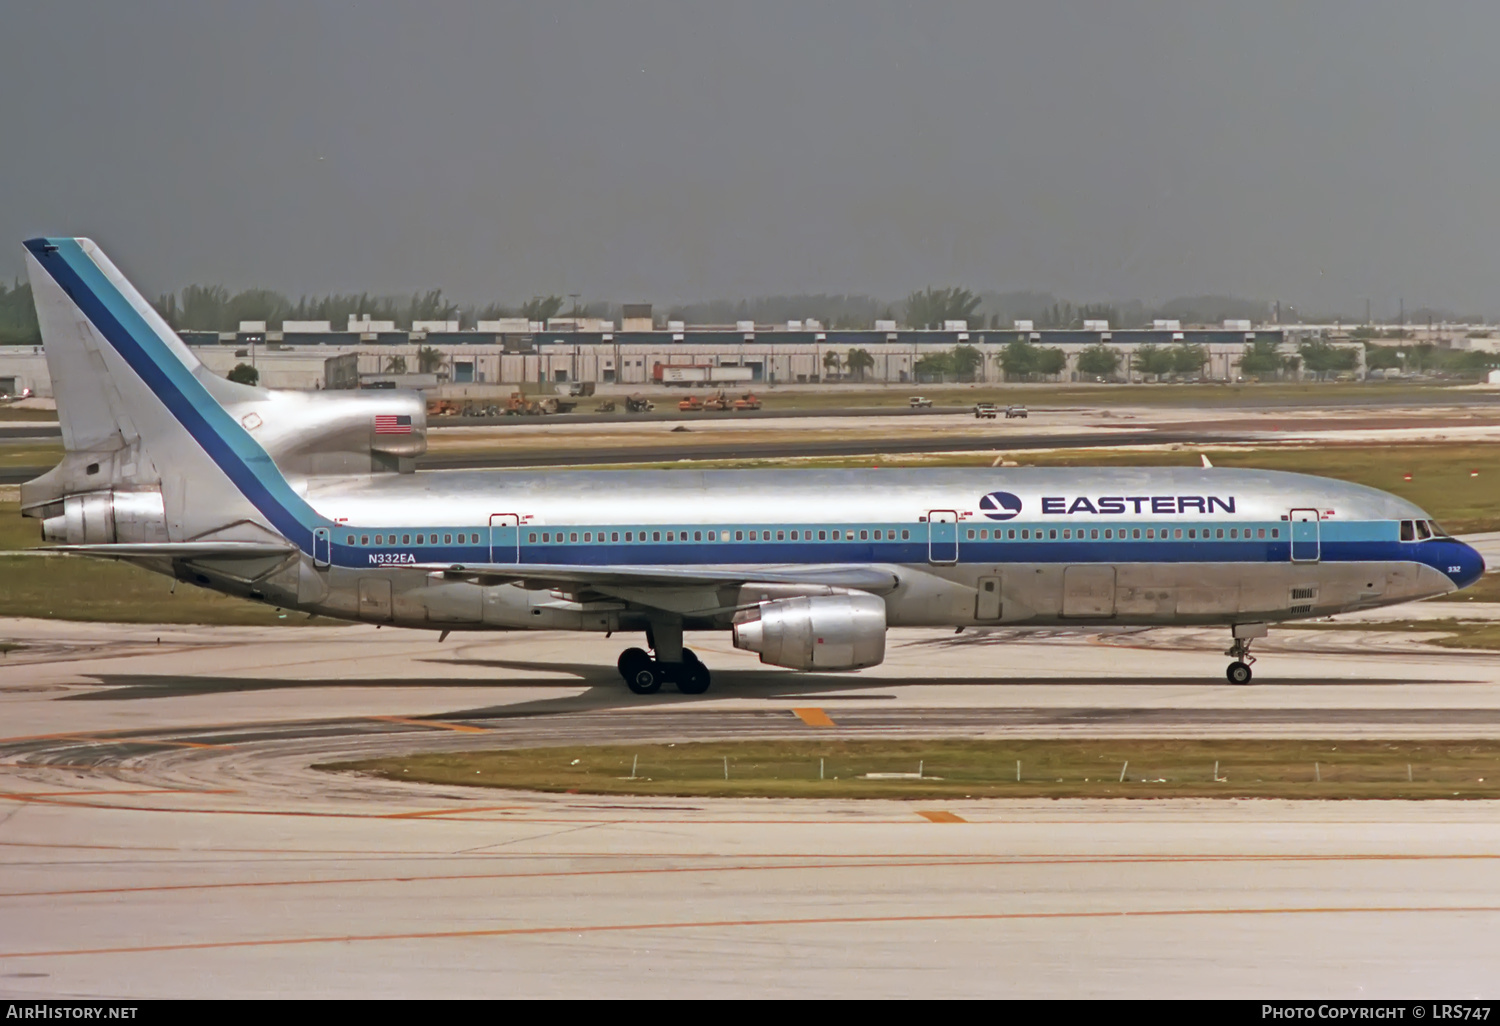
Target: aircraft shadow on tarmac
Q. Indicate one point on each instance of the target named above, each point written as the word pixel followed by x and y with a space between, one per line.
pixel 605 690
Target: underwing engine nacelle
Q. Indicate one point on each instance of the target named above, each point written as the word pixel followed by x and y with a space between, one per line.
pixel 823 632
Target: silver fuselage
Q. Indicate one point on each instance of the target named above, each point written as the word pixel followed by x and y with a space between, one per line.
pixel 1143 546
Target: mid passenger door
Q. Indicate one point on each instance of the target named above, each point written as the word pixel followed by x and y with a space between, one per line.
pixel 505 538
pixel 942 536
pixel 1305 536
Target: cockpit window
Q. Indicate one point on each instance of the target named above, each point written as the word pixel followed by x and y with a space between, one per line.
pixel 1408 531
pixel 1437 532
pixel 1422 532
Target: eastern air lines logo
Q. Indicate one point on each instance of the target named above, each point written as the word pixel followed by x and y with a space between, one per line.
pixel 1000 505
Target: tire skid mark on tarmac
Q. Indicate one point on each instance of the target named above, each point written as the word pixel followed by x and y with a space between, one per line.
pixel 268 767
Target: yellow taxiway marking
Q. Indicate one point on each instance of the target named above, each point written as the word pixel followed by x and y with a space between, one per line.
pixel 940 816
pixel 814 717
pixel 462 728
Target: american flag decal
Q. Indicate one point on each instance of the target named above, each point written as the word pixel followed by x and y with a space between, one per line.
pixel 392 424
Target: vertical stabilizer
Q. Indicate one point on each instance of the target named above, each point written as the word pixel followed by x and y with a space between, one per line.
pixel 139 411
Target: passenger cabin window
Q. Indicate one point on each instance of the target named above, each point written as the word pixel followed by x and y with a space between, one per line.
pixel 905 535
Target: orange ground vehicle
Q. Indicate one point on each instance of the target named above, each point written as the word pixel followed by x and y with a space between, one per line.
pixel 692 404
pixel 718 401
pixel 748 401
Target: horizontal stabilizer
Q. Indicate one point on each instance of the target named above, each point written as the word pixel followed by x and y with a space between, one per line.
pixel 180 550
pixel 874 579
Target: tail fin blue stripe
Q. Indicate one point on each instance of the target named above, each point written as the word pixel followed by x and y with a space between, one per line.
pixel 225 441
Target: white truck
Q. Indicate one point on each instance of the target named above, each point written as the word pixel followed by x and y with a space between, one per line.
pixel 700 374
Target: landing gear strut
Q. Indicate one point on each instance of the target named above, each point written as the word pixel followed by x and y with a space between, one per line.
pixel 1244 633
pixel 645 674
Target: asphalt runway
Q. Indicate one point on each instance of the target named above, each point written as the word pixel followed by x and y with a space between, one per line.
pixel 163 832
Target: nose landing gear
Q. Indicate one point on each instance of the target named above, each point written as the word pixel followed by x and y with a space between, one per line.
pixel 1239 670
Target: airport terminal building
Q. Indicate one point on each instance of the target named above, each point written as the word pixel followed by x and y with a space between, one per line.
pixel 518 354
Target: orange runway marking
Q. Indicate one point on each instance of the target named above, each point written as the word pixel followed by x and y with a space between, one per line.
pixel 971 917
pixel 814 717
pixel 448 812
pixel 462 728
pixel 24 795
pixel 784 862
pixel 942 817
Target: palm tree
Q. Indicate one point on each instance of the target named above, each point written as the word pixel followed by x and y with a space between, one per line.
pixel 395 365
pixel 859 361
pixel 832 365
pixel 430 360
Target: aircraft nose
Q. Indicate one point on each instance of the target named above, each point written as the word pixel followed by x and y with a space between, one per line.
pixel 1467 565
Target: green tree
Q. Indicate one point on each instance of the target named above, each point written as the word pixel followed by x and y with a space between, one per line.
pixel 1099 361
pixel 1261 358
pixel 1188 358
pixel 430 360
pixel 966 362
pixel 934 365
pixel 541 308
pixel 204 308
pixel 1018 360
pixel 931 307
pixel 18 323
pixel 1382 357
pixel 1154 360
pixel 395 365
pixel 244 374
pixel 1323 358
pixel 832 364
pixel 858 361
pixel 1051 362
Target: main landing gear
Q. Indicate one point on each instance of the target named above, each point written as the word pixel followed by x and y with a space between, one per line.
pixel 1239 670
pixel 645 674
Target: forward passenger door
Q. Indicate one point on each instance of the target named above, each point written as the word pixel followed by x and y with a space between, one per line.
pixel 942 536
pixel 1305 536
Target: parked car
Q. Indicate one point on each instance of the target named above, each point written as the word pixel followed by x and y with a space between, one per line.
pixel 1015 411
pixel 988 411
pixel 918 402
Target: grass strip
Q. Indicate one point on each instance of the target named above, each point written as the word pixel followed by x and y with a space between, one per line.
pixel 970 768
pixel 77 588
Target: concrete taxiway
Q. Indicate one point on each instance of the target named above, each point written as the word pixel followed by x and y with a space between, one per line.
pixel 163 832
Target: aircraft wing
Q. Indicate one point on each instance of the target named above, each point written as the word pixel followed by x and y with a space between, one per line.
pixel 859 577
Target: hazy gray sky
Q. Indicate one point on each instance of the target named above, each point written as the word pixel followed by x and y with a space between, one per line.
pixel 1323 153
